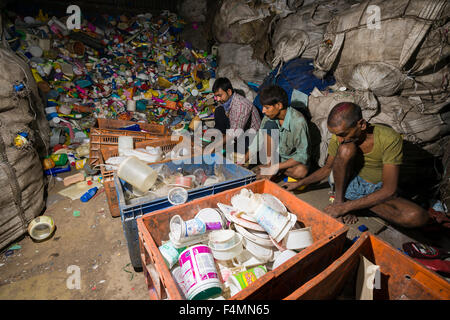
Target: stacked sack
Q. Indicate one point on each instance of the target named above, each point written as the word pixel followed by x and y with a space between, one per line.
pixel 24 134
pixel 396 69
pixel 240 30
pixel 403 61
pixel 300 33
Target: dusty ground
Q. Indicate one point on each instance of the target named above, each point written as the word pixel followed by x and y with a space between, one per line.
pixel 94 241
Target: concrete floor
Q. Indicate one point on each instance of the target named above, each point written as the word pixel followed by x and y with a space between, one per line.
pixel 94 241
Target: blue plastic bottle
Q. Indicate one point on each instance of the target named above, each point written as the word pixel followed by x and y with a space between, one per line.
pixel 89 194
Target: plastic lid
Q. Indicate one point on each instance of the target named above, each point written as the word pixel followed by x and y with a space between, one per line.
pixel 177 196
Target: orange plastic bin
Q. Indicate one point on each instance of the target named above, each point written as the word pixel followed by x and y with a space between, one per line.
pixel 401 278
pixel 329 237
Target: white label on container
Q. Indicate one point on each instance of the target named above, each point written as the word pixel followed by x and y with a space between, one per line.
pixel 205 264
pixel 188 275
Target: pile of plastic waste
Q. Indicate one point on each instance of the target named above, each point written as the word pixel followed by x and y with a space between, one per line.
pixel 114 67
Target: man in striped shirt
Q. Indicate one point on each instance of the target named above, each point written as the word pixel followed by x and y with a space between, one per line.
pixel 236 114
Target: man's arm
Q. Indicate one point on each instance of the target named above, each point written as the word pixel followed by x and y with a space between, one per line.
pixel 316 176
pixel 388 190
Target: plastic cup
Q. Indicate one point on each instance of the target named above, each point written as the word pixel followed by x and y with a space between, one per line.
pixel 177 196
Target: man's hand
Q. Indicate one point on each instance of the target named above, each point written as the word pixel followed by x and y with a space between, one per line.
pixel 265 172
pixel 336 210
pixel 292 185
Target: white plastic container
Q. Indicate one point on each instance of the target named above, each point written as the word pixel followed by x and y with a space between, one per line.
pixel 177 196
pixel 230 215
pixel 282 258
pixel 125 143
pixel 190 241
pixel 254 236
pixel 211 217
pixel 227 253
pixel 274 203
pixel 41 228
pixel 274 223
pixel 137 173
pixel 298 239
pixel 176 274
pixel 211 180
pixel 222 239
pixel 260 252
pixel 170 253
pixel 246 260
pixel 240 281
pixel 199 273
pixel 185 229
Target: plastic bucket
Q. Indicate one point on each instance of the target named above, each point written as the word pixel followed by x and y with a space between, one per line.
pixel 274 223
pixel 199 273
pixel 242 280
pixel 137 173
pixel 41 228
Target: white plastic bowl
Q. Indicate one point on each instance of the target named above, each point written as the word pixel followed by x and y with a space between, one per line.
pixel 229 253
pixel 298 239
pixel 222 239
pixel 282 258
pixel 253 237
pixel 260 252
pixel 274 203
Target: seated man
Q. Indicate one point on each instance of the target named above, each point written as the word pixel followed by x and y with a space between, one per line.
pixel 364 160
pixel 235 111
pixel 292 136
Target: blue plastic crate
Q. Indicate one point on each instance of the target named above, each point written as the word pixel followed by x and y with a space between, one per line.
pixel 236 176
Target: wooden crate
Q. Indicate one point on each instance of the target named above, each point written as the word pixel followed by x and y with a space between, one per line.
pixel 401 278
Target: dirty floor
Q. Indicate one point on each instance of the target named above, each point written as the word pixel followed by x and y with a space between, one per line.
pixel 94 242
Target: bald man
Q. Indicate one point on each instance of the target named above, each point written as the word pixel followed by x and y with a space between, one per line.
pixel 364 159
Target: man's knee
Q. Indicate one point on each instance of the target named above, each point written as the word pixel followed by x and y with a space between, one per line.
pixel 346 151
pixel 297 172
pixel 415 218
